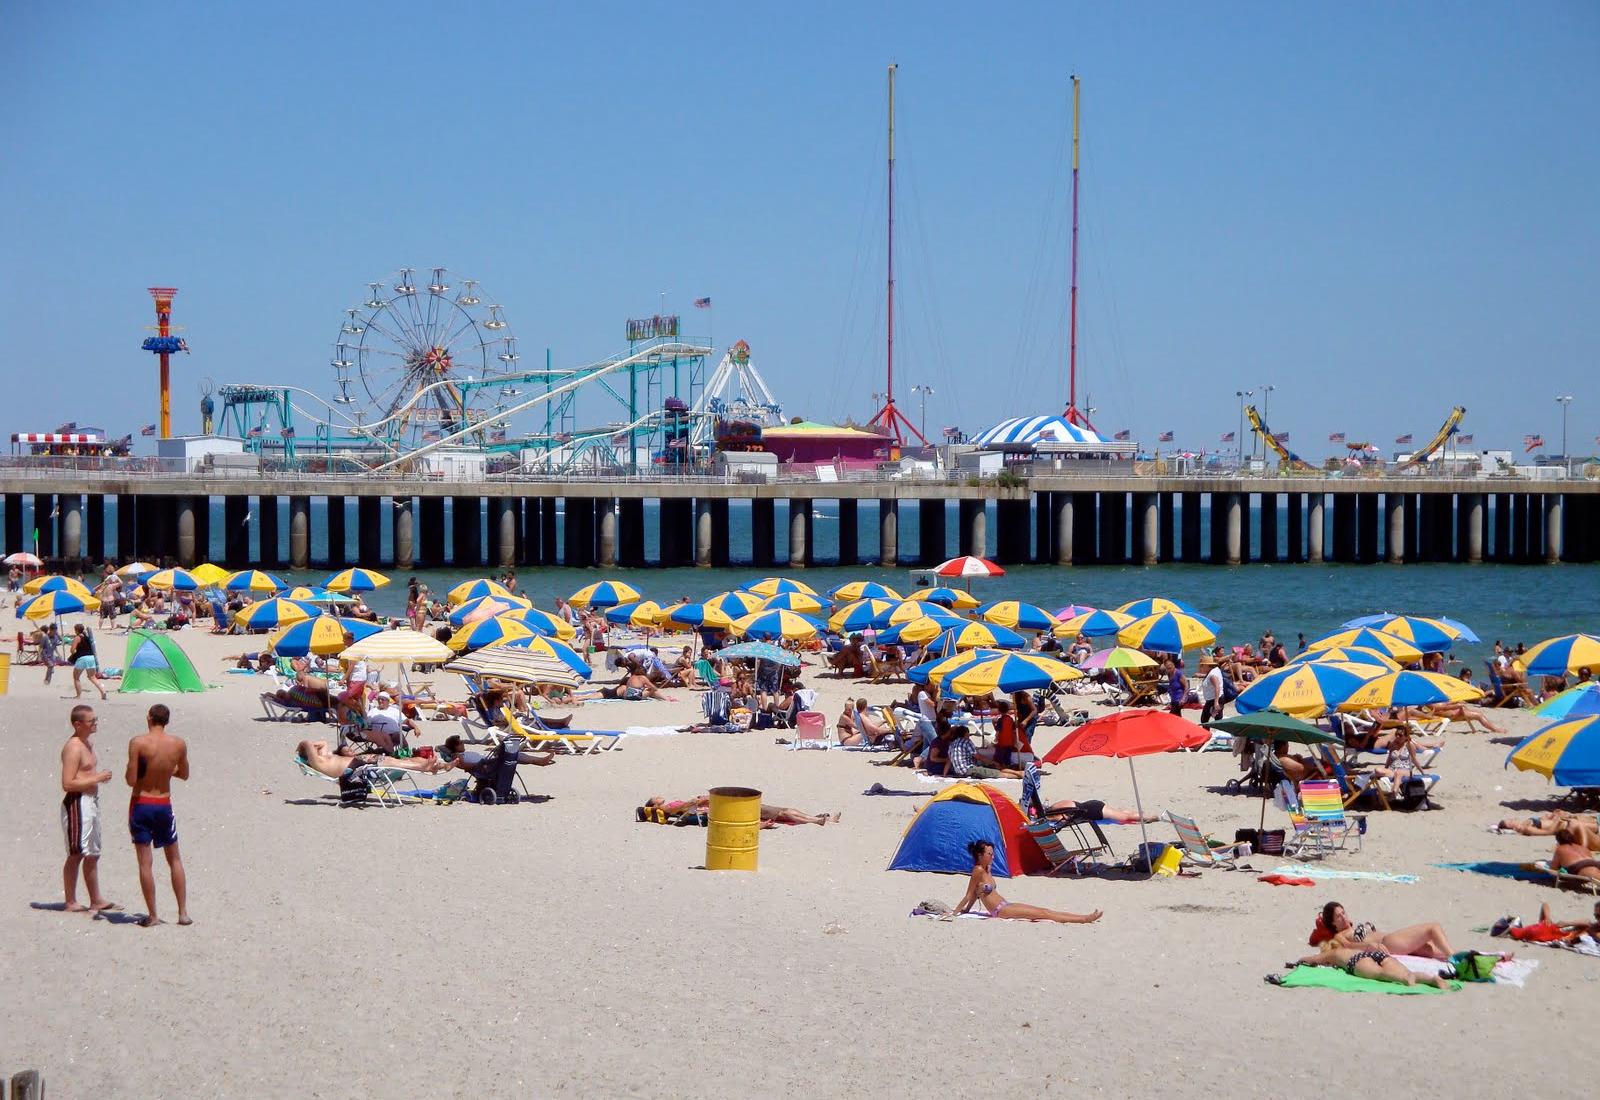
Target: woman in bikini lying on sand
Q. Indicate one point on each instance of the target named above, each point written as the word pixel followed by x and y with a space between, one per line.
pixel 1334 930
pixel 1549 824
pixel 682 812
pixel 980 888
pixel 1373 963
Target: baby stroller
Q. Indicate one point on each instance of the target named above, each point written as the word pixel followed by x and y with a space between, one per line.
pixel 495 780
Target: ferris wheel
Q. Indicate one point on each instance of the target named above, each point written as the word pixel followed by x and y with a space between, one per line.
pixel 416 363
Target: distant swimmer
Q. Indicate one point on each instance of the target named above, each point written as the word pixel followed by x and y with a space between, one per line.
pixel 81 777
pixel 155 759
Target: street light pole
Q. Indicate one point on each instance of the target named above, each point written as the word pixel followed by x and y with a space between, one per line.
pixel 924 392
pixel 1266 411
pixel 1239 439
pixel 1565 401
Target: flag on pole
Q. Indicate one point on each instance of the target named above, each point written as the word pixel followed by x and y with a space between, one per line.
pixel 1465 439
pixel 1280 437
pixel 1335 437
pixel 1123 435
pixel 1405 440
pixel 1531 443
pixel 702 303
pixel 253 433
pixel 1227 437
pixel 148 429
pixel 1164 437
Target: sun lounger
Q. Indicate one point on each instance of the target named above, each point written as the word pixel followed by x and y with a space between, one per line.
pixel 578 742
pixel 1074 857
pixel 293 709
pixel 382 782
pixel 1198 849
pixel 1565 879
pixel 1320 824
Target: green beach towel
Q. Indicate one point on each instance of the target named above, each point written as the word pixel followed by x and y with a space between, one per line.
pixel 1326 977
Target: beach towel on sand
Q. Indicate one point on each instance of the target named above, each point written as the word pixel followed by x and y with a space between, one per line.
pixel 1325 977
pixel 1513 972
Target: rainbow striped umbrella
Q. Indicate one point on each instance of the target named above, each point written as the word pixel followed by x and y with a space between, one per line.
pixel 1006 672
pixel 489 632
pixel 1354 655
pixel 253 580
pixel 778 586
pixel 324 634
pixel 1017 615
pixel 1567 752
pixel 1155 605
pixel 645 615
pixel 977 636
pixel 53 605
pixel 851 591
pixel 266 614
pixel 475 589
pixel 953 598
pixel 487 607
pixel 1409 689
pixel 355 580
pixel 1392 645
pixel 699 614
pixel 550 647
pixel 1118 657
pixel 604 594
pixel 1575 702
pixel 1093 624
pixel 863 615
pixel 794 601
pixel 544 623
pixel 1168 632
pixel 771 625
pixel 1306 690
pixel 1559 656
pixel 55 582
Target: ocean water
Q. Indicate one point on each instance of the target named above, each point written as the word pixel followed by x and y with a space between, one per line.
pixel 1508 602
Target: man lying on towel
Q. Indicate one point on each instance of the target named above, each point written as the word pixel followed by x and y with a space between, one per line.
pixel 334 765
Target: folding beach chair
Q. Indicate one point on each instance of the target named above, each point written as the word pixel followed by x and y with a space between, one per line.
pixel 1198 849
pixel 1565 879
pixel 1063 716
pixel 811 731
pixel 382 783
pixel 1320 825
pixel 277 710
pixel 1062 856
pixel 578 742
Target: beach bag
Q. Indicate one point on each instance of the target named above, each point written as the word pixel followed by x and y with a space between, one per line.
pixel 716 703
pixel 353 791
pixel 1229 692
pixel 1271 842
pixel 1471 966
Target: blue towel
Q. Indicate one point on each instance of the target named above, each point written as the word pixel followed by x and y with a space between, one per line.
pixel 1499 869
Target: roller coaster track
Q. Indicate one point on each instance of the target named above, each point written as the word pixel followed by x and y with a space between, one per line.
pixel 1451 425
pixel 1286 457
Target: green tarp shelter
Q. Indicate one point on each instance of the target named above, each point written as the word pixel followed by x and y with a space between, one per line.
pixel 156 663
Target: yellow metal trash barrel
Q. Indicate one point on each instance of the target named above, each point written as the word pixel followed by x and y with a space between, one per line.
pixel 5 677
pixel 735 829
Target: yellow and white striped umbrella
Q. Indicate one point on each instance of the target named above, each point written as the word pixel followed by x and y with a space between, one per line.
pixel 398 646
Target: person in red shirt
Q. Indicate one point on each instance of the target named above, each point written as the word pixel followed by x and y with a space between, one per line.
pixel 1546 930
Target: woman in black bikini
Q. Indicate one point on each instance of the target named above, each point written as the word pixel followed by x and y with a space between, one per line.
pixel 980 888
pixel 1335 928
pixel 1572 855
pixel 1374 963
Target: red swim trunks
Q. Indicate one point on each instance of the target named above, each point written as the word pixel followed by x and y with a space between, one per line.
pixel 1543 932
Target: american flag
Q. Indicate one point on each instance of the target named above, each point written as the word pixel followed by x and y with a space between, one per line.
pixel 1404 440
pixel 1465 439
pixel 1531 443
pixel 1335 437
pixel 1227 437
pixel 148 429
pixel 1124 434
pixel 1281 437
pixel 498 435
pixel 253 433
pixel 1164 437
pixel 702 303
pixel 288 433
pixel 431 436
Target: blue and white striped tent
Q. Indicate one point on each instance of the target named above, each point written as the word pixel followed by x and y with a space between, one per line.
pixel 1037 431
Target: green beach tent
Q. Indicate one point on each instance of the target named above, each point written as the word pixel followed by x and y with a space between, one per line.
pixel 156 663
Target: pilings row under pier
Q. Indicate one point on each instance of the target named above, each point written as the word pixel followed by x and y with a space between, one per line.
pixel 591 526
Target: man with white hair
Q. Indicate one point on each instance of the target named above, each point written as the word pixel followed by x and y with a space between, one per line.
pixel 386 724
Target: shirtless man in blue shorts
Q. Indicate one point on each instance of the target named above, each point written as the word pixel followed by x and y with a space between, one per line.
pixel 155 758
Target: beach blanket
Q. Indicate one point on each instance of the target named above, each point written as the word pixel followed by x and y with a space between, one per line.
pixel 1506 972
pixel 936 916
pixel 1326 977
pixel 1499 869
pixel 1306 870
pixel 650 731
pixel 947 780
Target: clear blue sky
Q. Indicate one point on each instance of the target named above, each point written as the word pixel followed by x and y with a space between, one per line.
pixel 1380 209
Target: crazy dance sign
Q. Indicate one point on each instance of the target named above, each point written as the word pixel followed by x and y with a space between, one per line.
pixel 652 328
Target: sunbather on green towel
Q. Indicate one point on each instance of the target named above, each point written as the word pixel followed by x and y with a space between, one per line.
pixel 1334 927
pixel 1374 963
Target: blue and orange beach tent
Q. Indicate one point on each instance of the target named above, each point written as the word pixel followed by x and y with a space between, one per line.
pixel 937 838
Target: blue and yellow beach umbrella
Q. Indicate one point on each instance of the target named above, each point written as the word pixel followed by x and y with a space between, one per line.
pixel 474 589
pixel 644 615
pixel 932 673
pixel 1093 623
pixel 550 647
pixel 907 611
pixel 1354 655
pixel 1392 646
pixel 1017 615
pixel 778 586
pixel 209 574
pixel 604 594
pixel 769 626
pixel 736 604
pixel 355 580
pixel 1409 689
pixel 324 634
pixel 488 632
pixel 1168 632
pixel 1567 752
pixel 866 614
pixel 700 615
pixel 315 595
pixel 794 601
pixel 1155 605
pixel 912 632
pixel 1559 656
pixel 852 591
pixel 266 614
pixel 1428 635
pixel 53 605
pixel 1006 672
pixel 253 580
pixel 1306 690
pixel 174 580
pixel 977 636
pixel 953 598
pixel 544 623
pixel 55 582
pixel 1575 702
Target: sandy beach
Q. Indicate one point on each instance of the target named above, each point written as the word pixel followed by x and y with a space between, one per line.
pixel 560 947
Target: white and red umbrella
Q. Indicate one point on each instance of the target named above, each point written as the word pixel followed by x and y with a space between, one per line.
pixel 969 566
pixel 24 559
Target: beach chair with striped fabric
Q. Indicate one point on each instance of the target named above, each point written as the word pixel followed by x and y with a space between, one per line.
pixel 1321 826
pixel 1198 849
pixel 1062 858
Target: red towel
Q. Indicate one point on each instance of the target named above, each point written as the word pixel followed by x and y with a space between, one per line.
pixel 1286 880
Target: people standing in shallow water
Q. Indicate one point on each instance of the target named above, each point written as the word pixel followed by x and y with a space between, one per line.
pixel 981 890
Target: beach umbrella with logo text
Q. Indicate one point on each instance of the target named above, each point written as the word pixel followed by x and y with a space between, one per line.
pixel 1306 690
pixel 1567 752
pixel 1168 632
pixel 1393 646
pixel 1017 615
pixel 604 594
pixel 1409 689
pixel 778 586
pixel 953 598
pixel 253 580
pixel 851 591
pixel 355 580
pixel 1559 656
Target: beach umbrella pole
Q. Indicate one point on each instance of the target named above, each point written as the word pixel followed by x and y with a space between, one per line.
pixel 1139 805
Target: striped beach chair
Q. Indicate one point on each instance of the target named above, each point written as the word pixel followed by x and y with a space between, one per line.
pixel 1321 826
pixel 1198 849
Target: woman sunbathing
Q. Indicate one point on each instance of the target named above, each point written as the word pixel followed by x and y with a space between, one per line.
pixel 318 757
pixel 1572 855
pixel 688 810
pixel 1372 963
pixel 1095 810
pixel 1553 822
pixel 980 888
pixel 1334 930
